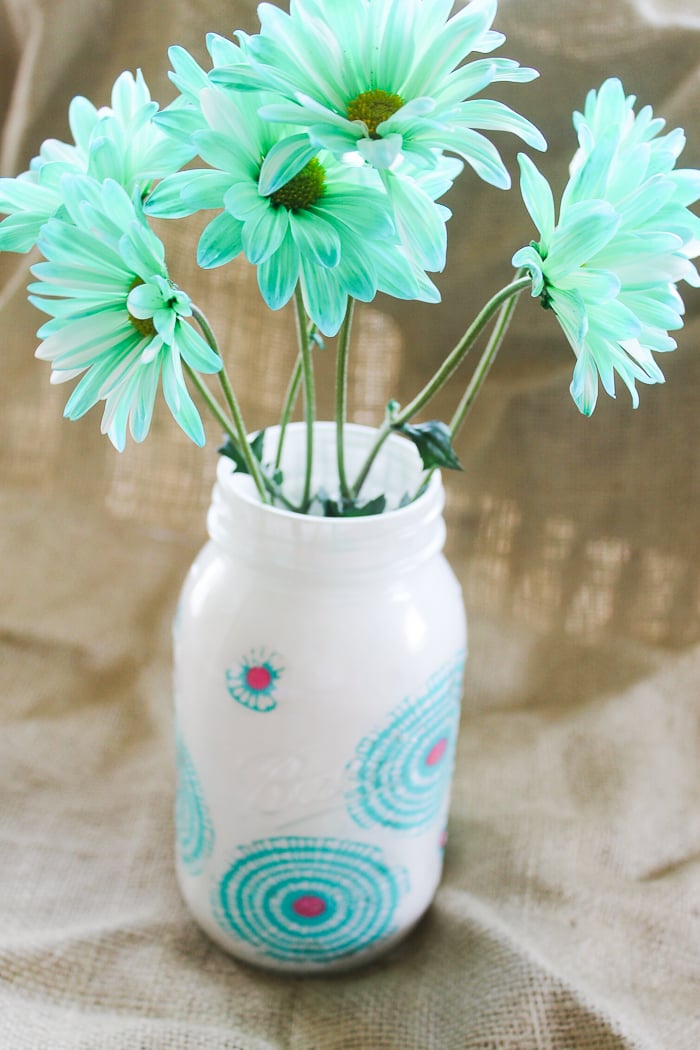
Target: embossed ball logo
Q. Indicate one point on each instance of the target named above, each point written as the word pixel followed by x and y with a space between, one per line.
pixel 308 899
pixel 400 775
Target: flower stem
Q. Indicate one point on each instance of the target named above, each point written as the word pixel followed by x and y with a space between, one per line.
pixel 485 361
pixel 443 373
pixel 341 397
pixel 309 393
pixel 238 432
pixel 288 407
pixel 291 395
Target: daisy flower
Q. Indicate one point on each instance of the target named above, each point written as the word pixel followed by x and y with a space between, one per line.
pixel 609 265
pixel 117 319
pixel 386 81
pixel 120 142
pixel 325 226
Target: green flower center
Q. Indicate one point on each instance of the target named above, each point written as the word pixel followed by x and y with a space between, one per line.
pixel 143 325
pixel 303 190
pixel 372 107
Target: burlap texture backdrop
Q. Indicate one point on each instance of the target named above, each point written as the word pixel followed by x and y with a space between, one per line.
pixel 569 917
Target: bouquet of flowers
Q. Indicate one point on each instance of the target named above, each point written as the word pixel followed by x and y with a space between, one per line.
pixel 323 145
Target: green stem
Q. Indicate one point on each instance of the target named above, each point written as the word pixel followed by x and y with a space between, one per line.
pixel 291 395
pixel 484 366
pixel 443 373
pixel 309 394
pixel 480 372
pixel 239 433
pixel 341 397
pixel 288 408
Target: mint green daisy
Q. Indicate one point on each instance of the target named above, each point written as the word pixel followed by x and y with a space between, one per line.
pixel 326 226
pixel 120 142
pixel 117 319
pixel 608 267
pixel 386 81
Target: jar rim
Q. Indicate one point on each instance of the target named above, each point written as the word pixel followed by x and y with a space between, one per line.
pixel 241 486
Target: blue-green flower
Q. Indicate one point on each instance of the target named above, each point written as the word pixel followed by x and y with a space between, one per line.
pixel 386 81
pixel 327 226
pixel 609 265
pixel 117 319
pixel 120 142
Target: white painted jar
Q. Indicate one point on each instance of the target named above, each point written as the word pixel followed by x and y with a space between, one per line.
pixel 318 680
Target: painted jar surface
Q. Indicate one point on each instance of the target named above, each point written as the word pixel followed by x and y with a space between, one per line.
pixel 318 681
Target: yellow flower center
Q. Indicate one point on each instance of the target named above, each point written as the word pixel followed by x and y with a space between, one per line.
pixel 303 190
pixel 372 107
pixel 143 325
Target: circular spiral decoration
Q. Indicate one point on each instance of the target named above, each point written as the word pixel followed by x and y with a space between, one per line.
pixel 308 899
pixel 401 774
pixel 193 826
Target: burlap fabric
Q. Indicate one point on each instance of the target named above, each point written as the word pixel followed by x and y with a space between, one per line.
pixel 569 916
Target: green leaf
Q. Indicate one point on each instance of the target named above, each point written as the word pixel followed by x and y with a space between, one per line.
pixel 434 443
pixel 233 452
pixel 349 508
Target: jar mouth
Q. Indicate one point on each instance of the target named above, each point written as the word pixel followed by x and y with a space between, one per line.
pixel 397 473
pixel 356 550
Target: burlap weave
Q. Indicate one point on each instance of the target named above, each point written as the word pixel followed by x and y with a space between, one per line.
pixel 569 916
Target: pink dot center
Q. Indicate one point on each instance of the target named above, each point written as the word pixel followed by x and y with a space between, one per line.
pixel 309 906
pixel 437 752
pixel 258 678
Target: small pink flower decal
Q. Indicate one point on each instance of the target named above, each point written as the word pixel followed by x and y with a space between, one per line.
pixel 254 682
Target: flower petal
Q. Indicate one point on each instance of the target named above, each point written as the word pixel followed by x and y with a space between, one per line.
pixel 220 242
pixel 285 160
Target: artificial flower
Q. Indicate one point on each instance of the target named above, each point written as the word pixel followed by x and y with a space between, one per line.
pixel 387 81
pixel 115 314
pixel 609 265
pixel 327 227
pixel 120 142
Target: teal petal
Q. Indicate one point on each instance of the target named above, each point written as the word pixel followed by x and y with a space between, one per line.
pixel 264 232
pixel 221 241
pixel 178 399
pixel 243 201
pixel 142 251
pixel 357 270
pixel 537 197
pixel 324 299
pixel 188 76
pixel 278 275
pixel 23 195
pixel 144 300
pixel 479 153
pixel 166 201
pixel 317 240
pixel 570 310
pixel 222 153
pixel 336 140
pixel 19 233
pixel 584 385
pixel 459 36
pixel 144 401
pixel 82 118
pixel 195 350
pixel 285 160
pixel 530 259
pixel 380 153
pixel 589 227
pixel 486 114
pixel 418 221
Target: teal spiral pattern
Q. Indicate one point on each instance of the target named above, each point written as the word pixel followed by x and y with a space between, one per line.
pixel 400 776
pixel 193 826
pixel 304 899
